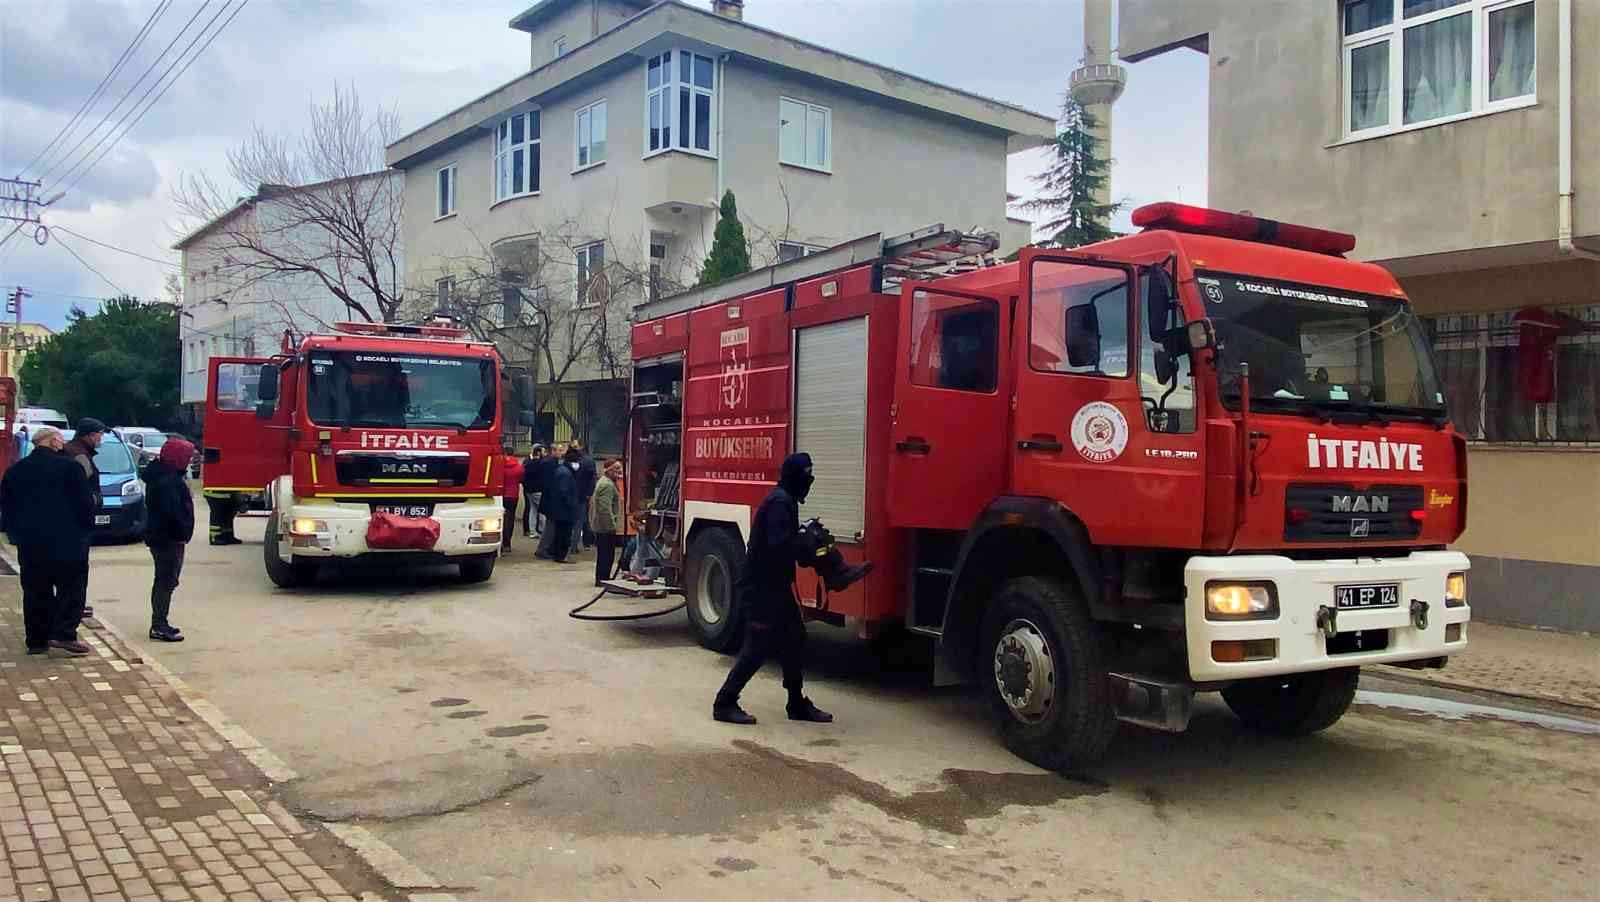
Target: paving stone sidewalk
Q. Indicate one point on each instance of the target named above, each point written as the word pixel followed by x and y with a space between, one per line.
pixel 1535 664
pixel 111 788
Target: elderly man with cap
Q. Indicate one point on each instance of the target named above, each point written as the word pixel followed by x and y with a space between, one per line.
pixel 82 449
pixel 48 510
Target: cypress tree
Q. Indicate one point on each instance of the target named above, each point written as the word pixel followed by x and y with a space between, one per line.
pixel 1069 184
pixel 730 255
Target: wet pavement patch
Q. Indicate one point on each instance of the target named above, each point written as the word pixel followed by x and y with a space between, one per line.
pixel 824 743
pixel 736 864
pixel 535 717
pixel 520 729
pixel 463 715
pixel 448 702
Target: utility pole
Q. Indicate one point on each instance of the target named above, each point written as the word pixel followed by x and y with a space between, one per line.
pixel 20 203
pixel 14 303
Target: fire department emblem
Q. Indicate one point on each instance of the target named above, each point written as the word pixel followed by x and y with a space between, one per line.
pixel 1099 432
pixel 735 367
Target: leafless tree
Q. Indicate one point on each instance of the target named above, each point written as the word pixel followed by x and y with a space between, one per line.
pixel 319 207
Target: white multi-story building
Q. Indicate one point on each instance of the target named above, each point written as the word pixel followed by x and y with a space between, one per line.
pixel 635 117
pixel 231 308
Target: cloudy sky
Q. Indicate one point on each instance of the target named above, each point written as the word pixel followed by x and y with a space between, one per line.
pixel 426 57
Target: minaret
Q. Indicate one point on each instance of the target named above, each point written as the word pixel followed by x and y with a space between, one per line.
pixel 1099 81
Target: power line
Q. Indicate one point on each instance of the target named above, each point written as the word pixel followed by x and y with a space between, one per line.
pixel 68 248
pixel 113 247
pixel 162 93
pixel 123 99
pixel 99 89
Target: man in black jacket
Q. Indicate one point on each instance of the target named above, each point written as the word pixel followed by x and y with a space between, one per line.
pixel 48 511
pixel 83 448
pixel 532 485
pixel 560 506
pixel 171 526
pixel 587 477
pixel 766 593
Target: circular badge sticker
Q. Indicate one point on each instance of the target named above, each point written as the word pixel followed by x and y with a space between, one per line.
pixel 1099 432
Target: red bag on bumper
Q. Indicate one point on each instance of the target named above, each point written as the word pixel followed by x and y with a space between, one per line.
pixel 394 532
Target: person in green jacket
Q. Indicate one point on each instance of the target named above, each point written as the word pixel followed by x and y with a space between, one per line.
pixel 605 520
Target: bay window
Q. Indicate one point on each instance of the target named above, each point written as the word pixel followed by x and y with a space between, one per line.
pixel 680 95
pixel 591 132
pixel 516 156
pixel 1411 62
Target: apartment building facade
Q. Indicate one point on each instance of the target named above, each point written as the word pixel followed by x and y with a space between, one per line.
pixel 607 159
pixel 235 305
pixel 1459 140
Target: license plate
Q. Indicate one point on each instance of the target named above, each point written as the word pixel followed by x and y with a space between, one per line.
pixel 1382 595
pixel 101 520
pixel 404 510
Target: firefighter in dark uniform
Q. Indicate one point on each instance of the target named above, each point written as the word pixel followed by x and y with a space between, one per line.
pixel 773 627
pixel 222 506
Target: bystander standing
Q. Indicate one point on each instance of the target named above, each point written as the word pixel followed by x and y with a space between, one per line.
pixel 170 527
pixel 605 519
pixel 48 511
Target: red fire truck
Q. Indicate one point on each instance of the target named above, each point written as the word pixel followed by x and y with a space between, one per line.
pixel 373 440
pixel 1212 455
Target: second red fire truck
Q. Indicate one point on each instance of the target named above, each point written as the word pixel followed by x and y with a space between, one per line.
pixel 1210 456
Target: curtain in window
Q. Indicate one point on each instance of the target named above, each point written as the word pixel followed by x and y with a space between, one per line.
pixel 1369 86
pixel 1438 69
pixel 1511 52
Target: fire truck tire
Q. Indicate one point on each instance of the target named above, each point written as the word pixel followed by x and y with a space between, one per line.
pixel 478 569
pixel 284 574
pixel 1044 675
pixel 715 557
pixel 1294 705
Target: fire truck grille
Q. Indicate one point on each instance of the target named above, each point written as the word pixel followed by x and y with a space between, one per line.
pixel 403 469
pixel 1339 512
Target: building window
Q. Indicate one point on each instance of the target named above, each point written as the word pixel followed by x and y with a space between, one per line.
pixel 445 192
pixel 591 274
pixel 1529 375
pixel 658 263
pixel 680 93
pixel 558 47
pixel 791 250
pixel 444 294
pixel 805 131
pixel 516 156
pixel 1411 62
pixel 591 131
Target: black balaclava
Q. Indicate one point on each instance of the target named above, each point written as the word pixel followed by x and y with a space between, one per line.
pixel 795 477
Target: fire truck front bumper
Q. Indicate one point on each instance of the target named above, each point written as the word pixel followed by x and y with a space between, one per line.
pixel 323 528
pixel 1266 615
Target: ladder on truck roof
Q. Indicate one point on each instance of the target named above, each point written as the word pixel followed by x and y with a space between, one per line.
pixel 925 253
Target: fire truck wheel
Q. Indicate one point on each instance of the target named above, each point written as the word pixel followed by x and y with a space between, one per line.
pixel 477 569
pixel 1294 705
pixel 714 559
pixel 284 574
pixel 1044 675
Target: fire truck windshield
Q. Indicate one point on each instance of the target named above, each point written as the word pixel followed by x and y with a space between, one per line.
pixel 376 388
pixel 1314 349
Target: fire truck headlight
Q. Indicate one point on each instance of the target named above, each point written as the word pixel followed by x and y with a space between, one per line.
pixel 1455 590
pixel 487 524
pixel 1241 601
pixel 305 526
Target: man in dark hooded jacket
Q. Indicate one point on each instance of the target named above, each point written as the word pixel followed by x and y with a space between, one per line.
pixel 170 527
pixel 766 592
pixel 48 510
pixel 560 505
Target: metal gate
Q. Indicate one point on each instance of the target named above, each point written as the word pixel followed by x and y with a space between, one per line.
pixel 830 418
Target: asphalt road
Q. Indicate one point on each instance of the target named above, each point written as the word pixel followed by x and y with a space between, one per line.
pixel 517 754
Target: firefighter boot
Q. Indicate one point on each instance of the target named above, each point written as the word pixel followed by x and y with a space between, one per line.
pixel 732 713
pixel 803 709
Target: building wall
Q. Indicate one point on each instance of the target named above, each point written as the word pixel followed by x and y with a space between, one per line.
pixel 579 22
pixel 1276 128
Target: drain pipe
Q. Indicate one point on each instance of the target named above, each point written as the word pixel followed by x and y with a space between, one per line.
pixel 1564 140
pixel 722 91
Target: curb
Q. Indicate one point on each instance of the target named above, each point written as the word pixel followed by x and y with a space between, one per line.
pixel 375 853
pixel 1404 676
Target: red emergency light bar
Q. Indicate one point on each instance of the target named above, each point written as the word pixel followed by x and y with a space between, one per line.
pixel 1201 221
pixel 397 329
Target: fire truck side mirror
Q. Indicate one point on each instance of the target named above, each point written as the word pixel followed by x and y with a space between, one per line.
pixel 1161 298
pixel 267 388
pixel 1165 367
pixel 527 404
pixel 1083 336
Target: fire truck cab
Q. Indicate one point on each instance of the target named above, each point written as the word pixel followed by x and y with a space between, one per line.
pixel 375 441
pixel 1212 455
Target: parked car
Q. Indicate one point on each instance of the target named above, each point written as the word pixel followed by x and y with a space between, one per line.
pixel 143 441
pixel 29 419
pixel 122 514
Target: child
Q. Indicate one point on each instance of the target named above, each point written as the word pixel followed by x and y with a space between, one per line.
pixel 170 527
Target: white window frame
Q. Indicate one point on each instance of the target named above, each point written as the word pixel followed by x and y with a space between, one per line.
pixel 583 272
pixel 502 151
pixel 805 135
pixel 448 202
pixel 1394 33
pixel 578 126
pixel 558 47
pixel 668 91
